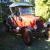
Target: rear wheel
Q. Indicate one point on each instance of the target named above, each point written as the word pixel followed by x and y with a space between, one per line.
pixel 5 29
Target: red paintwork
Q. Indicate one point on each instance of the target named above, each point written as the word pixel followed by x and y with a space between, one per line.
pixel 27 20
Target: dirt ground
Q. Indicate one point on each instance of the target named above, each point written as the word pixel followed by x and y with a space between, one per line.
pixel 11 42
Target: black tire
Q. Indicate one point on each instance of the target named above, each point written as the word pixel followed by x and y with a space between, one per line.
pixel 5 29
pixel 46 34
pixel 27 38
pixel 5 26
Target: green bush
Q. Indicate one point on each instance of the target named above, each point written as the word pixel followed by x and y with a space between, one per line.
pixel 42 8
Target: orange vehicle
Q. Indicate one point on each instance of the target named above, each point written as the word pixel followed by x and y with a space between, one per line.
pixel 22 20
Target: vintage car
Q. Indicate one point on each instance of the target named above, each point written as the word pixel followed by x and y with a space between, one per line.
pixel 22 21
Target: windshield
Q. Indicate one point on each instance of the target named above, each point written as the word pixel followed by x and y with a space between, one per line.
pixel 26 10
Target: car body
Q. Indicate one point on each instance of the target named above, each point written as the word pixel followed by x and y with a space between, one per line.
pixel 22 20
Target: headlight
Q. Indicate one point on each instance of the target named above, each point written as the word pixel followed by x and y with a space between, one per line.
pixel 18 28
pixel 45 25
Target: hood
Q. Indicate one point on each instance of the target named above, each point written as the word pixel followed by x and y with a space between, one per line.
pixel 27 20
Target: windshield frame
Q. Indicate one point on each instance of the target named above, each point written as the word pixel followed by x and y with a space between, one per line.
pixel 26 12
pixel 20 9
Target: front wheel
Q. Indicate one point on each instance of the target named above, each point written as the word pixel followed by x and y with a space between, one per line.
pixel 27 37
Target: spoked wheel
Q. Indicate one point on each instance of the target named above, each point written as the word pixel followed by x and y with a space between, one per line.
pixel 27 37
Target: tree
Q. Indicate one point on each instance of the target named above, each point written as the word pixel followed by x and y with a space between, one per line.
pixel 42 8
pixel 33 2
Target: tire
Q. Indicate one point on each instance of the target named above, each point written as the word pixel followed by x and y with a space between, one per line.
pixel 46 34
pixel 5 29
pixel 27 37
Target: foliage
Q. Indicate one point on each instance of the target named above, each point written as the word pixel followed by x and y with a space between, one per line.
pixel 42 8
pixel 4 10
pixel 4 7
pixel 33 2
